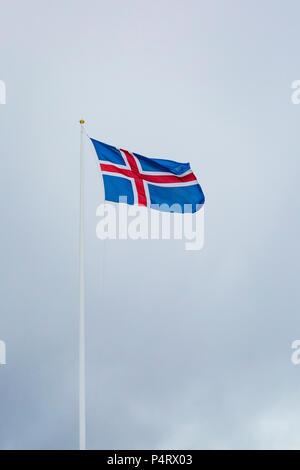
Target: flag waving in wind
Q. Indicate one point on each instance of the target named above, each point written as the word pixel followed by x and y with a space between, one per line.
pixel 152 182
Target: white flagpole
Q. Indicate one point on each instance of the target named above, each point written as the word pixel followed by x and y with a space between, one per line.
pixel 82 419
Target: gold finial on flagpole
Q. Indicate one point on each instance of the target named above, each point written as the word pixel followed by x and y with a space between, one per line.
pixel 81 121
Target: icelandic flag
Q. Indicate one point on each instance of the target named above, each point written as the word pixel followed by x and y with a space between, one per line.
pixel 152 182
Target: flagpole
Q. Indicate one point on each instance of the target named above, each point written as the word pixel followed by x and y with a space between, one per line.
pixel 82 418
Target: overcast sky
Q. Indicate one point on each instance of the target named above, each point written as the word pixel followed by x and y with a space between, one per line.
pixel 185 349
